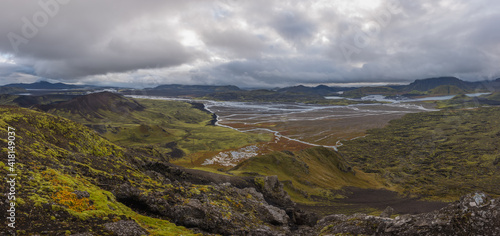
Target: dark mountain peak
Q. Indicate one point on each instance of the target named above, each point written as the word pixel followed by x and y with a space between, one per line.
pixel 185 90
pixel 430 83
pixel 322 86
pixel 322 90
pixel 92 104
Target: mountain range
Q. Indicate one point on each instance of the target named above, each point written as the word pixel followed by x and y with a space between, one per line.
pixel 48 85
pixel 420 87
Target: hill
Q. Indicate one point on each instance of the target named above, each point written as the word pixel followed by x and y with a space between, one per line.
pixel 48 85
pixel 92 104
pixel 167 129
pixel 494 96
pixel 322 90
pixel 309 175
pixel 263 95
pixel 59 160
pixel 175 90
pixel 441 154
pixel 70 180
pixel 11 90
pixel 32 101
pixel 431 83
pixel 365 91
pixel 446 90
pixel 464 101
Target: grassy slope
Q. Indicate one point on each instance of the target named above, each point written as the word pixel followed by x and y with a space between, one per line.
pixel 458 102
pixel 494 96
pixel 163 123
pixel 437 154
pixel 312 173
pixel 463 101
pixel 55 157
pixel 446 90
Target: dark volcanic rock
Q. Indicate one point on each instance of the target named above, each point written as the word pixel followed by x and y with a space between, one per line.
pixel 474 214
pixel 387 213
pixel 273 191
pixel 126 228
pixel 220 209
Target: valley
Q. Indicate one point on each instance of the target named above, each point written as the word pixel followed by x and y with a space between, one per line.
pixel 149 158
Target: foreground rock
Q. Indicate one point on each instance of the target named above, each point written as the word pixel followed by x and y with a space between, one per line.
pixel 474 214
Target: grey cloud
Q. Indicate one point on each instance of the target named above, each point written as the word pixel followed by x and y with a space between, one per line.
pixel 253 43
pixel 236 42
pixel 294 26
pixel 96 37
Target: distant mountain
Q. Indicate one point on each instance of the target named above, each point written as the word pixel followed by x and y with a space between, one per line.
pixel 430 83
pixel 182 90
pixel 322 90
pixel 446 90
pixel 197 87
pixel 48 85
pixel 364 91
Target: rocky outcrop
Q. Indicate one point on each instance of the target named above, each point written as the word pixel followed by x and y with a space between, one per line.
pixel 273 191
pixel 125 228
pixel 474 214
pixel 219 208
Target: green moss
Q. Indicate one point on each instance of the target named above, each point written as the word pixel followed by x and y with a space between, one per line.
pixel 259 181
pixel 440 155
pixel 312 171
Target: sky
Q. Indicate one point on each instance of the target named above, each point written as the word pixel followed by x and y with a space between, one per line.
pixel 257 43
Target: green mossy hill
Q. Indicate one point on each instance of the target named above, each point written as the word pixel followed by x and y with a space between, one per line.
pixel 365 91
pixel 71 180
pixel 167 129
pixel 464 101
pixel 11 90
pixel 56 161
pixel 459 102
pixel 494 96
pixel 446 90
pixel 308 174
pixel 441 154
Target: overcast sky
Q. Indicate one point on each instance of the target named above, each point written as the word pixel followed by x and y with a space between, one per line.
pixel 254 43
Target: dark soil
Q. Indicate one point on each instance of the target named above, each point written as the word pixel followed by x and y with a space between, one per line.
pixel 365 200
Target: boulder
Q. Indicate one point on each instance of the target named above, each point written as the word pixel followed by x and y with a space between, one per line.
pixel 273 191
pixel 125 228
pixel 474 214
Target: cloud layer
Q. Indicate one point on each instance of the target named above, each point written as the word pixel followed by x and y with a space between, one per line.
pixel 247 43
